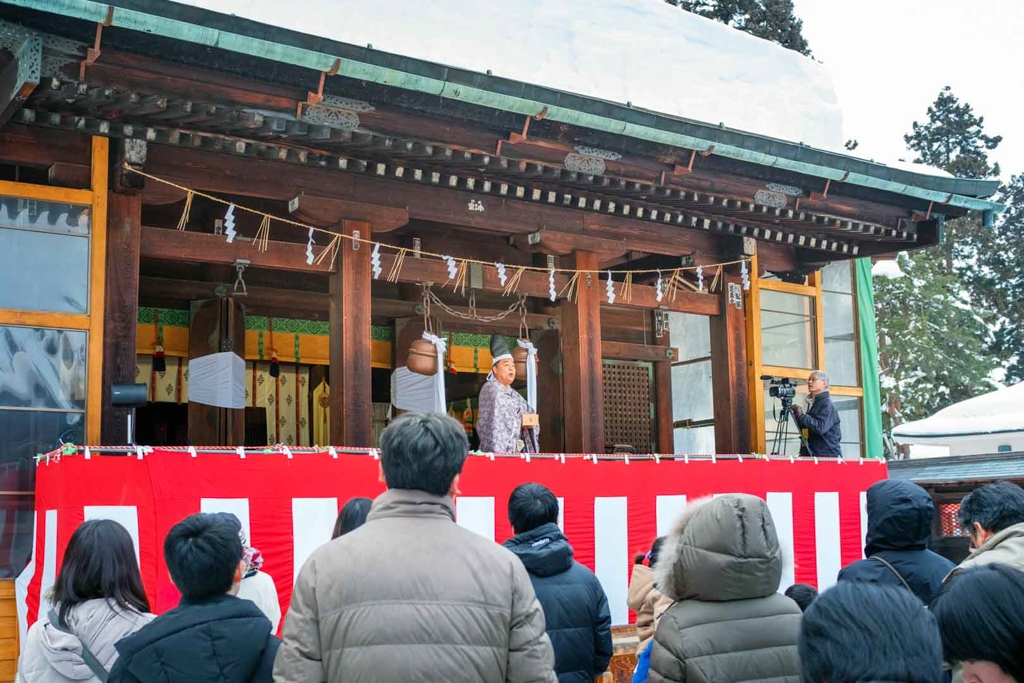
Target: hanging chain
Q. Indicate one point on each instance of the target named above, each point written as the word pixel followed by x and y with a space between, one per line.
pixel 524 326
pixel 429 297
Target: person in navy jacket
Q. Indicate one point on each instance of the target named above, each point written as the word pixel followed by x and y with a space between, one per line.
pixel 820 423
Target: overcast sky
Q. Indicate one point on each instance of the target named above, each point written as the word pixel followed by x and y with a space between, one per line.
pixel 890 58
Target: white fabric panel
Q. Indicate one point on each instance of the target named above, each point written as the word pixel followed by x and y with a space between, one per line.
pixel 22 582
pixel 781 507
pixel 49 561
pixel 669 509
pixel 611 553
pixel 863 522
pixel 826 537
pixel 476 513
pixel 561 514
pixel 125 515
pixel 312 524
pixel 413 391
pixel 239 507
pixel 217 380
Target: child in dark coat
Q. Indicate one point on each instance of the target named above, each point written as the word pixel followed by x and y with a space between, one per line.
pixel 211 635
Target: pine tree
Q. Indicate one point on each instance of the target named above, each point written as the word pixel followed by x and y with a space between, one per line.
pixel 769 19
pixel 953 139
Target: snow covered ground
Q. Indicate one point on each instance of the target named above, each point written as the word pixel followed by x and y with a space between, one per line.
pixel 641 51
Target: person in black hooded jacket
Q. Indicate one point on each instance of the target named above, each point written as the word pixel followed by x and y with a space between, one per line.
pixel 575 605
pixel 211 635
pixel 900 516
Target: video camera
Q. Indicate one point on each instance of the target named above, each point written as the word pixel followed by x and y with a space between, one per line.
pixel 781 389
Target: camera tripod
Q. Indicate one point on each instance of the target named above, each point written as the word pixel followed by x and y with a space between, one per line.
pixel 782 429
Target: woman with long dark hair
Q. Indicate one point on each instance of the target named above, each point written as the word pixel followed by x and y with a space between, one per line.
pixel 352 516
pixel 97 599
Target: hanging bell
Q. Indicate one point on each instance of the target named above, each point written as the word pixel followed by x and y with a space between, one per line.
pixel 521 355
pixel 422 357
pixel 159 362
pixel 275 366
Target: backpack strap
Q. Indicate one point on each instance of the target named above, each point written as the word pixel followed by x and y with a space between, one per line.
pixel 87 656
pixel 893 570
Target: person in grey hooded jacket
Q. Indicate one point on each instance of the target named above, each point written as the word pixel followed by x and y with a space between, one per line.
pixel 723 565
pixel 98 597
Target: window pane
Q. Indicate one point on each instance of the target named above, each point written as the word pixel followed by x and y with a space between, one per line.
pixel 691 334
pixel 42 368
pixel 691 391
pixel 841 347
pixel 787 329
pixel 837 277
pixel 23 434
pixel 849 408
pixel 51 241
pixel 696 441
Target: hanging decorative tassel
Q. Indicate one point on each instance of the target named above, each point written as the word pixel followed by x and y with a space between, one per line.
pixel 309 248
pixel 159 362
pixel 396 267
pixel 374 260
pixel 551 284
pixel 263 235
pixel 229 224
pixel 331 250
pixel 657 288
pixel 610 288
pixel 188 208
pixel 626 291
pixel 513 283
pixel 501 273
pixel 571 287
pixel 275 365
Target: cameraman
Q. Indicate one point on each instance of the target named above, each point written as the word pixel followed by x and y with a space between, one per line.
pixel 820 423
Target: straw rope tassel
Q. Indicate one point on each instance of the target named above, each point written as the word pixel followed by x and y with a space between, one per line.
pixel 626 290
pixel 332 249
pixel 263 235
pixel 714 283
pixel 571 288
pixel 513 282
pixel 188 208
pixel 396 267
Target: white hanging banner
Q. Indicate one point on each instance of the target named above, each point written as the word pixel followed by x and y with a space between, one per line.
pixel 531 373
pixel 413 391
pixel 217 380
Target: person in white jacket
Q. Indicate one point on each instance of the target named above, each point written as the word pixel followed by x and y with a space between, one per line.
pixel 97 599
pixel 257 586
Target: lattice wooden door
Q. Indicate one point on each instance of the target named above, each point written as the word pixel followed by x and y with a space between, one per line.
pixel 627 406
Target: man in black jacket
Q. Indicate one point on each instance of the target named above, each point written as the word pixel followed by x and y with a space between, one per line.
pixel 575 606
pixel 820 423
pixel 211 635
pixel 900 516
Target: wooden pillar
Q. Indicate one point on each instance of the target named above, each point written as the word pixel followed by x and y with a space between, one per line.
pixel 663 409
pixel 729 372
pixel 121 308
pixel 351 386
pixel 549 393
pixel 581 361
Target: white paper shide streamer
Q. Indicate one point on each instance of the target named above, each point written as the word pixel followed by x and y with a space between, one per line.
pixel 700 278
pixel 611 289
pixel 453 268
pixel 374 261
pixel 657 287
pixel 745 275
pixel 551 284
pixel 309 248
pixel 229 224
pixel 501 273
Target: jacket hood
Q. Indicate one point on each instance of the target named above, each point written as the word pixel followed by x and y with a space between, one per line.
pixel 900 515
pixel 721 549
pixel 641 581
pixel 94 622
pixel 545 551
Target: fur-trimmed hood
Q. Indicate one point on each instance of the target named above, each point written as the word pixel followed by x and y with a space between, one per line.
pixel 721 549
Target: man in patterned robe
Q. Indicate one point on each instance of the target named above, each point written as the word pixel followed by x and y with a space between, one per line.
pixel 501 409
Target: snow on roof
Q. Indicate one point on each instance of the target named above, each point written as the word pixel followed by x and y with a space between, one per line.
pixel 888 268
pixel 646 52
pixel 998 411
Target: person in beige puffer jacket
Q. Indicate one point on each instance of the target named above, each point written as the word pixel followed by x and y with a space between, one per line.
pixel 722 565
pixel 648 602
pixel 410 595
pixel 98 596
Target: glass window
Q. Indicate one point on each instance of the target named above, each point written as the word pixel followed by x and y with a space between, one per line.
pixel 787 329
pixel 51 241
pixel 691 334
pixel 789 438
pixel 695 440
pixel 691 391
pixel 692 394
pixel 849 408
pixel 42 402
pixel 841 348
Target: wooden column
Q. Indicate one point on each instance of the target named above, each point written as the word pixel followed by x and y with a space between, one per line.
pixel 581 361
pixel 549 393
pixel 121 308
pixel 663 412
pixel 729 372
pixel 351 387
